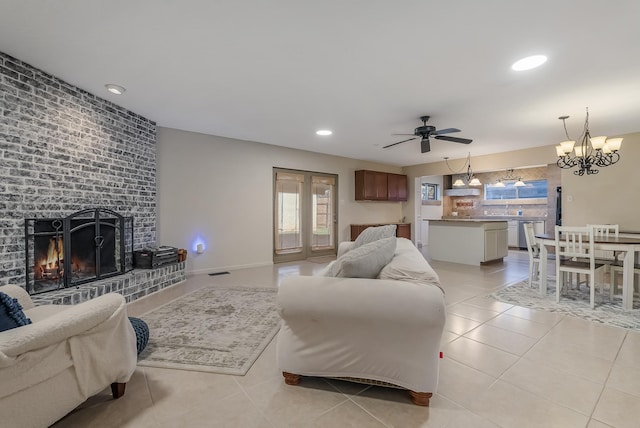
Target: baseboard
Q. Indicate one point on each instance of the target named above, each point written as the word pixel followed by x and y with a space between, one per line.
pixel 229 268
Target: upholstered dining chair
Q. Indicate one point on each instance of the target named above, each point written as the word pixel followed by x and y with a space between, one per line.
pixel 533 248
pixel 574 254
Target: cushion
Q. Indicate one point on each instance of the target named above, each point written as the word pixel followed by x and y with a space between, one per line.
pixel 142 333
pixel 371 234
pixel 11 315
pixel 365 261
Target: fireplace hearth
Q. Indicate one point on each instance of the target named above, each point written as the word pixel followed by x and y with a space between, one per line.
pixel 86 246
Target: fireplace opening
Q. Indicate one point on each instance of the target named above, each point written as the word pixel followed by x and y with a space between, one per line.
pixel 83 247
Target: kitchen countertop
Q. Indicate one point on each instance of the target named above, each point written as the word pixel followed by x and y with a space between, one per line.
pixel 496 218
pixel 473 220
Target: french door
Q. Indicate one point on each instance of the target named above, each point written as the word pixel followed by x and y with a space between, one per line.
pixel 305 215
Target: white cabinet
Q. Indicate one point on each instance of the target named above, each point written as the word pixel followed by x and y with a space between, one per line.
pixel 512 228
pixel 471 242
pixel 495 244
pixel 539 227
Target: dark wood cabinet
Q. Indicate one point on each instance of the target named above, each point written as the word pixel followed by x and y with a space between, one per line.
pixel 397 187
pixel 371 186
pixel 380 186
pixel 403 230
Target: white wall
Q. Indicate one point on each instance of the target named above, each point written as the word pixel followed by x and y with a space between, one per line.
pixel 610 196
pixel 220 191
pixel 433 212
pixel 427 212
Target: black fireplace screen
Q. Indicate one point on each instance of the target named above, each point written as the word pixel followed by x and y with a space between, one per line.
pixel 86 246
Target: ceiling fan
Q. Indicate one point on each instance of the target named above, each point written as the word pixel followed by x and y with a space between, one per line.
pixel 425 131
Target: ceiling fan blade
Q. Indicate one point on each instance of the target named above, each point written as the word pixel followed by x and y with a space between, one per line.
pixel 403 141
pixel 454 139
pixel 403 134
pixel 445 131
pixel 425 145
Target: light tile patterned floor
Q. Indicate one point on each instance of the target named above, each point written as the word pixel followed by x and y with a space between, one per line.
pixel 504 366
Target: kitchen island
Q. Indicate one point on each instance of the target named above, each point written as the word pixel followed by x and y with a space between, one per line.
pixel 468 241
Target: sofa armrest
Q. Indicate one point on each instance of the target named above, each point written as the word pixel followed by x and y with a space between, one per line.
pixel 74 321
pixel 344 247
pixel 18 293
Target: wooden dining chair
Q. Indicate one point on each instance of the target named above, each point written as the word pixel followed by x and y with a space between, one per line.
pixel 574 255
pixel 617 267
pixel 606 257
pixel 605 231
pixel 533 249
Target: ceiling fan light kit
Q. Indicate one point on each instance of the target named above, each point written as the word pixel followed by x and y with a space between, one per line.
pixel 425 131
pixel 590 153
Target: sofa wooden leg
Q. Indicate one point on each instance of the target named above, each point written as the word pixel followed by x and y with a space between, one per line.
pixel 117 389
pixel 420 398
pixel 290 378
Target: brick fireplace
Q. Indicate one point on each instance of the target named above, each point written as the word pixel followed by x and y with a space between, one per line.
pixel 63 150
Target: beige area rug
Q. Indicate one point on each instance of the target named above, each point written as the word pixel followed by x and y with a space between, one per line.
pixel 574 302
pixel 217 330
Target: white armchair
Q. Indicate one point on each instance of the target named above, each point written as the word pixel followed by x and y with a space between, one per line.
pixel 66 355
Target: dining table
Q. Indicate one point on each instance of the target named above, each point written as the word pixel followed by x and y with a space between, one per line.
pixel 628 245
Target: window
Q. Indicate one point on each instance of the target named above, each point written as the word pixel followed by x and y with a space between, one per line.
pixel 532 189
pixel 429 192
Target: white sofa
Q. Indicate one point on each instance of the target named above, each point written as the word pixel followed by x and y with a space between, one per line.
pixel 66 355
pixel 387 330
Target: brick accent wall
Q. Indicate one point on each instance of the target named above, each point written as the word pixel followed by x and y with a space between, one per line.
pixel 132 285
pixel 63 149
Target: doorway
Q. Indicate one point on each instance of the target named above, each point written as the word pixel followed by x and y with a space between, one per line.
pixel 305 214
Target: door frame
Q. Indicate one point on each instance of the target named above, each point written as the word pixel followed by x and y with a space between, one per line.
pixel 307 220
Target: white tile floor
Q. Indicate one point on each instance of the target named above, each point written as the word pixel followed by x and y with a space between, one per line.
pixel 504 366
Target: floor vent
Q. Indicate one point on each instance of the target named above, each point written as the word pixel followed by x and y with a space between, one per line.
pixel 218 273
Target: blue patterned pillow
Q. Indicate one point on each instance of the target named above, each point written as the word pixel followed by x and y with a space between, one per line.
pixel 11 315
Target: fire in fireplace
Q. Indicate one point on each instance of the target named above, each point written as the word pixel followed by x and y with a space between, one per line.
pixel 85 246
pixel 49 266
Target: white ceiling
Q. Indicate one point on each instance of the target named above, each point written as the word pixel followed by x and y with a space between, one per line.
pixel 276 71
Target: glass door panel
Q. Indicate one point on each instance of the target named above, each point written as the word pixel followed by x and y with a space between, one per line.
pixel 322 232
pixel 288 213
pixel 304 215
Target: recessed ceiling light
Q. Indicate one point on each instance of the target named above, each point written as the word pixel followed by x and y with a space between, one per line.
pixel 529 62
pixel 324 132
pixel 115 89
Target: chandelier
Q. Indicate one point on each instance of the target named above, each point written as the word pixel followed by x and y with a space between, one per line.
pixel 510 177
pixel 471 179
pixel 589 153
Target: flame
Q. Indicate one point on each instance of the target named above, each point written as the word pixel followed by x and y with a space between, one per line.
pixel 53 254
pixel 49 263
